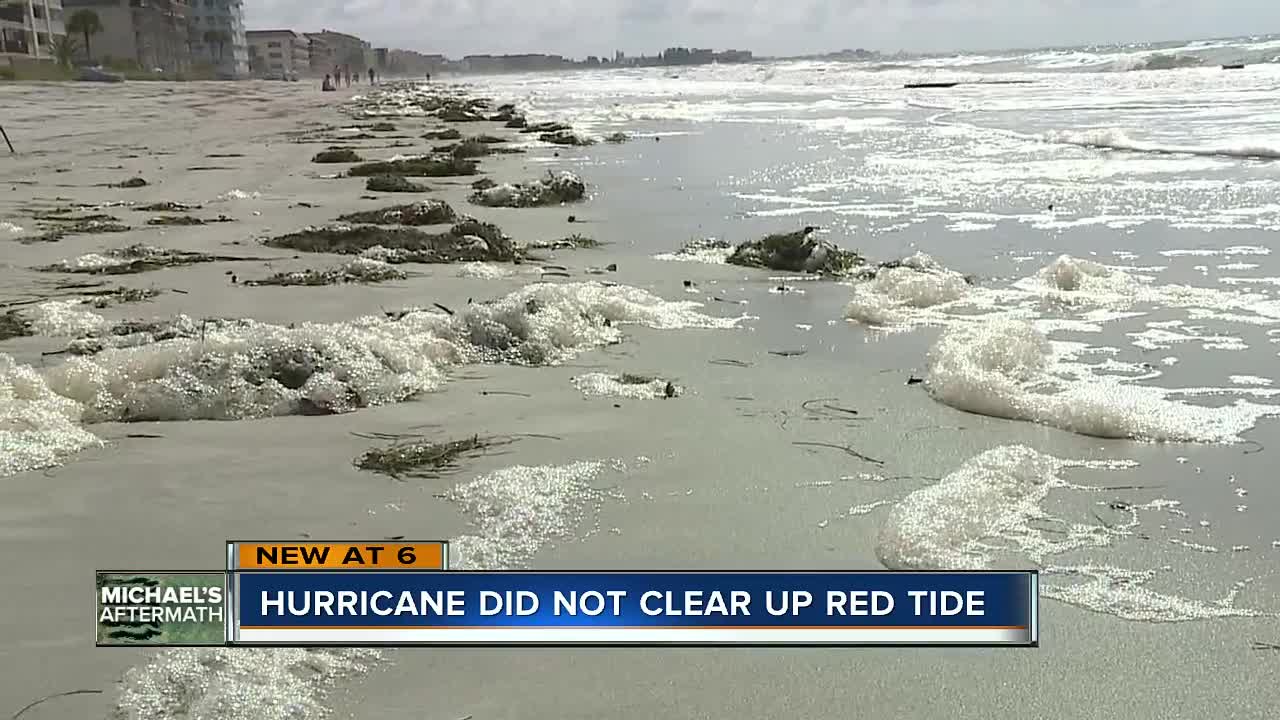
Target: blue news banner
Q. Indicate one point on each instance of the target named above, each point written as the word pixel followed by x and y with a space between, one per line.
pixel 634 608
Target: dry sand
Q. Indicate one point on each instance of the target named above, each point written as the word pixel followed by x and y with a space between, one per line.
pixel 708 480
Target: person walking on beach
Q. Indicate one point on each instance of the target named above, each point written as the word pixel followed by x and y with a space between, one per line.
pixel 346 70
pixel 372 77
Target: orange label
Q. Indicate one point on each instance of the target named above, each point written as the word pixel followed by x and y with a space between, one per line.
pixel 340 556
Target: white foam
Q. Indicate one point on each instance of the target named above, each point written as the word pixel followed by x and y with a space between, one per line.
pixel 518 510
pixel 247 369
pixel 237 683
pixel 38 428
pixel 606 385
pixel 11 228
pixel 991 507
pixel 1251 380
pixel 483 271
pixel 710 251
pixel 1006 368
pixel 65 318
pixel 897 294
pixel 239 194
pixel 1115 139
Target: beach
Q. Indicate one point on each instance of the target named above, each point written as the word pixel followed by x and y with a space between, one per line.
pixel 816 424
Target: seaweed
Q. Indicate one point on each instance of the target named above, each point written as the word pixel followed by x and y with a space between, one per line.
pixel 167 206
pixel 137 259
pixel 417 246
pixel 556 188
pixel 13 325
pixel 427 212
pixel 76 227
pixel 416 167
pixel 133 182
pixel 572 242
pixel 618 137
pixel 447 134
pixel 183 220
pixel 361 270
pixel 546 127
pixel 417 457
pixel 566 138
pixel 382 127
pixel 796 252
pixel 337 155
pixel 393 183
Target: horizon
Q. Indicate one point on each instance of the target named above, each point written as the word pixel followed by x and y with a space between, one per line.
pixel 773 28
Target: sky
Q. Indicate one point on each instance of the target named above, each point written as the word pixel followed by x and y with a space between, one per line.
pixel 578 28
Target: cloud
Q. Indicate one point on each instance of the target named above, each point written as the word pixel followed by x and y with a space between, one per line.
pixel 598 27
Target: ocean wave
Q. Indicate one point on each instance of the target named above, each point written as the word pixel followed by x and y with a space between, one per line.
pixel 1116 139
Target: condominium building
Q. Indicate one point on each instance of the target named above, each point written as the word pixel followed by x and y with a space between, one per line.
pixel 218 35
pixel 151 33
pixel 278 53
pixel 30 27
pixel 330 49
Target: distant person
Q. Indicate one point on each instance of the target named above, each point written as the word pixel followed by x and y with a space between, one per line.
pixel 346 71
pixel 428 77
pixel 328 84
pixel 372 77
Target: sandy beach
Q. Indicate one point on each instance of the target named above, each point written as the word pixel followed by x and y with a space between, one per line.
pixel 711 478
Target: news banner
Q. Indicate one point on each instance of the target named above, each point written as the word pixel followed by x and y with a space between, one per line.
pixel 286 594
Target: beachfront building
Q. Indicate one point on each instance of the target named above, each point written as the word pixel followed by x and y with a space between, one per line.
pixel 30 27
pixel 218 35
pixel 411 63
pixel 151 34
pixel 278 54
pixel 329 49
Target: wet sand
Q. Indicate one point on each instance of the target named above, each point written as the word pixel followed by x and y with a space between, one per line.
pixel 707 480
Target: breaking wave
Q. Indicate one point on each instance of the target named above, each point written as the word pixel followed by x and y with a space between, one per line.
pixel 1116 139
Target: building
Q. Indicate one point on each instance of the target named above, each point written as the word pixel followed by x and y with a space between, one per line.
pixel 380 59
pixel 410 63
pixel 217 35
pixel 278 53
pixel 329 49
pixel 149 33
pixel 30 27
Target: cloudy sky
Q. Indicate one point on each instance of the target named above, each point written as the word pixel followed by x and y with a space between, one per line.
pixel 771 27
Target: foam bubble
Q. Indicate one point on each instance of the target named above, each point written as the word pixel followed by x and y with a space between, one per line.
pixel 624 386
pixel 239 194
pixel 706 250
pixel 1006 368
pixel 65 318
pixel 237 683
pixel 991 507
pixel 483 271
pixel 12 228
pixel 38 428
pixel 519 509
pixel 896 293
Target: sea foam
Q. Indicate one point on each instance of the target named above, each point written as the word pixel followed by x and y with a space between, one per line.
pixel 990 513
pixel 1009 369
pixel 38 427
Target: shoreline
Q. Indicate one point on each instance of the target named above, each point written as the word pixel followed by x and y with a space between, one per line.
pixel 685 501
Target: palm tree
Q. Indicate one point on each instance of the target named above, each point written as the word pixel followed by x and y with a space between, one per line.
pixel 85 22
pixel 64 50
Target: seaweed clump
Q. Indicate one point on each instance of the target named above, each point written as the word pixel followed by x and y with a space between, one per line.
pixel 427 212
pixel 796 252
pixel 575 241
pixel 566 138
pixel 416 167
pixel 468 241
pixel 133 182
pixel 446 134
pixel 393 183
pixel 618 137
pixel 78 225
pixel 555 188
pixel 182 220
pixel 134 259
pixel 546 127
pixel 168 206
pixel 421 458
pixel 13 325
pixel 359 270
pixel 337 155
